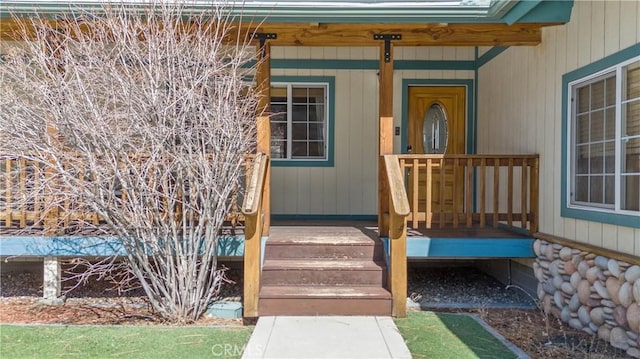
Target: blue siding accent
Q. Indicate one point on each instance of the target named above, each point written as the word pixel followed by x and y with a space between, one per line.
pixel 586 214
pixel 426 247
pixel 489 55
pixel 433 65
pixel 547 11
pixel 329 162
pixel 325 64
pixel 327 217
pixel 228 246
pixel 337 64
pixel 471 93
pixel 519 11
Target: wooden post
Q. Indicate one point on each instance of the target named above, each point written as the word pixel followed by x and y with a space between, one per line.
pixel 252 210
pixel 398 211
pixel 263 80
pixel 385 147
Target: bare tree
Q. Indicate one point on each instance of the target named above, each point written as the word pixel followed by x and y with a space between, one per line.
pixel 136 123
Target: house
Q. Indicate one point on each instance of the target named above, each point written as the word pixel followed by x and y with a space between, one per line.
pixel 484 129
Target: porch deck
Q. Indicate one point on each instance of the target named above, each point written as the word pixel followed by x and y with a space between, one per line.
pixel 424 243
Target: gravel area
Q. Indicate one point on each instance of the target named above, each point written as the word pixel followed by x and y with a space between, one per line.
pixel 29 284
pixel 462 287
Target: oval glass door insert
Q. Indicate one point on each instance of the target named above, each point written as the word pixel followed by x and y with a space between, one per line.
pixel 435 130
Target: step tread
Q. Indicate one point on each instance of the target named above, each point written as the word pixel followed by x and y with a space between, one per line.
pixel 320 264
pixel 319 292
pixel 327 240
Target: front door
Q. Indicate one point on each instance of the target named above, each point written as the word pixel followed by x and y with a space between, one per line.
pixel 436 126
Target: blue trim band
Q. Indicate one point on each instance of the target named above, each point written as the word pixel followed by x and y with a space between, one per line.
pixel 586 214
pixel 490 55
pixel 228 246
pixel 433 65
pixel 426 247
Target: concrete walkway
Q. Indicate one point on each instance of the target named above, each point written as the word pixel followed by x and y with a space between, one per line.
pixel 326 337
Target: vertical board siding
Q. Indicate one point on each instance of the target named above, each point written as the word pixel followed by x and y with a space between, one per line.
pixel 350 186
pixel 519 106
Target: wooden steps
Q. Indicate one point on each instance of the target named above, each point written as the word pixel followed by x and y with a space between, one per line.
pixel 339 274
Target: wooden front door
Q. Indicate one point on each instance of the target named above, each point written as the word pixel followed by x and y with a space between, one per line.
pixel 437 125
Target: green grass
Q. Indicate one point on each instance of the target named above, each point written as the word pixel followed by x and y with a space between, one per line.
pixel 121 341
pixel 444 335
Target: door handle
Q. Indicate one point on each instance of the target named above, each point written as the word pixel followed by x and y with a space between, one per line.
pixel 409 149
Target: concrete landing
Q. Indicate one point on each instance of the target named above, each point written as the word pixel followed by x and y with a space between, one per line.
pixel 326 337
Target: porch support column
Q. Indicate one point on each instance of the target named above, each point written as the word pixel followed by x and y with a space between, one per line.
pixel 263 80
pixel 52 278
pixel 385 146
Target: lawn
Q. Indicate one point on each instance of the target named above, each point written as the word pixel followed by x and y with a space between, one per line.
pixel 25 341
pixel 445 335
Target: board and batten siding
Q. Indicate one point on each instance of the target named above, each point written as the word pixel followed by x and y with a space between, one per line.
pixel 350 187
pixel 519 106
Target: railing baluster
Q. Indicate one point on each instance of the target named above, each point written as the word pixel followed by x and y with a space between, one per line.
pixel 23 189
pixel 510 193
pixel 416 191
pixel 534 194
pixel 483 163
pixel 523 194
pixel 7 194
pixel 429 191
pixel 496 191
pixel 469 192
pixel 441 199
pixel 454 194
pixel 37 200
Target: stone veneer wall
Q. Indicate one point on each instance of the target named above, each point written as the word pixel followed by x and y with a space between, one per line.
pixel 593 293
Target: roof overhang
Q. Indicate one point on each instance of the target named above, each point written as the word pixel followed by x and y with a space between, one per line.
pixel 335 11
pixel 352 23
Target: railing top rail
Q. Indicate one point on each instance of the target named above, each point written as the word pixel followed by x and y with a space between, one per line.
pixel 255 184
pixel 397 191
pixel 465 156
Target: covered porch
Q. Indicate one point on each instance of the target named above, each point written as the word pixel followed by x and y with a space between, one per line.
pixel 452 205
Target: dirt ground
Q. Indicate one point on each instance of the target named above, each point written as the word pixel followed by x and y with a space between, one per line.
pixel 540 336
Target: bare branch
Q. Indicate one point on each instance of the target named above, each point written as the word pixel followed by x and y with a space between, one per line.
pixel 134 126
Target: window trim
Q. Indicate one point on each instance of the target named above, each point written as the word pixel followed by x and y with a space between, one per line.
pixel 329 81
pixel 583 74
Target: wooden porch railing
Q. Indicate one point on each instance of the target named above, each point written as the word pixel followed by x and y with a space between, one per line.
pixel 254 216
pixel 25 201
pixel 398 212
pixel 441 190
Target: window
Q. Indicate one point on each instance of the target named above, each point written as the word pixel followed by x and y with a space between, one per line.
pixel 300 122
pixel 604 140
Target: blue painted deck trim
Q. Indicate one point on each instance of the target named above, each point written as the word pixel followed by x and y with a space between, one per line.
pixel 233 246
pixel 228 246
pixel 427 247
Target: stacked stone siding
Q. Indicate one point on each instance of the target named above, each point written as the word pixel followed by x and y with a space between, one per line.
pixel 589 292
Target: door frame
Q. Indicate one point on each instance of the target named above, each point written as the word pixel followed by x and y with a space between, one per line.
pixel 470 126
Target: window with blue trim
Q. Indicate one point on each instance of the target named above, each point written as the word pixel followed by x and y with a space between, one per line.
pixel 299 121
pixel 604 140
